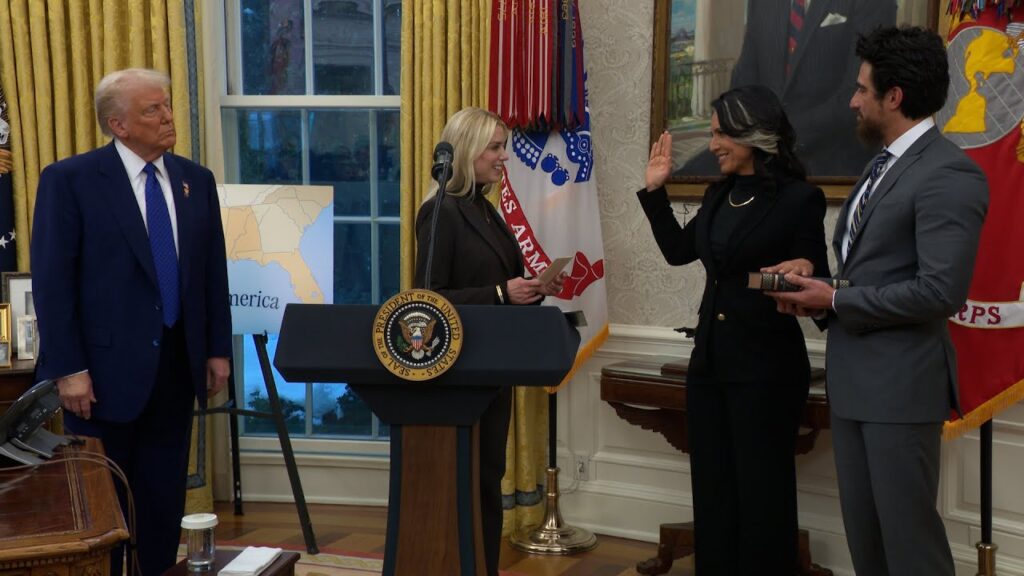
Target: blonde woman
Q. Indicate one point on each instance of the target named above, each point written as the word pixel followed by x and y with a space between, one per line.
pixel 477 261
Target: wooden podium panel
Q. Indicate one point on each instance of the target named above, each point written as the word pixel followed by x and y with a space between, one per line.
pixel 61 518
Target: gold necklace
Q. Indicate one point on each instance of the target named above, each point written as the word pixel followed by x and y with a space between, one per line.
pixel 744 203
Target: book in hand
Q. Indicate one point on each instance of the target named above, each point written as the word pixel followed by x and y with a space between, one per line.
pixel 772 282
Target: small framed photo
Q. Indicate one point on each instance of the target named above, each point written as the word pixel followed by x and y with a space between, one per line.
pixel 26 336
pixel 17 291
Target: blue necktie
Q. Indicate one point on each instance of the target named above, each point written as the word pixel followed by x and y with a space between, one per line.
pixel 877 166
pixel 161 242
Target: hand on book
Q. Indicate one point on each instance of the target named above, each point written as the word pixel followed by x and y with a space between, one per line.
pixel 801 266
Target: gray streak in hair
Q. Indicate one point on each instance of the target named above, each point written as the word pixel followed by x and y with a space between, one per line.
pixel 753 136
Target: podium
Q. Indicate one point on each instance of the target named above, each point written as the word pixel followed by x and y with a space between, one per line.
pixel 434 502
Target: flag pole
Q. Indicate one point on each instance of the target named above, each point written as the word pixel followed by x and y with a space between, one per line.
pixel 552 535
pixel 986 549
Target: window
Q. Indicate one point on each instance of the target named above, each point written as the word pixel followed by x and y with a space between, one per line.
pixel 312 98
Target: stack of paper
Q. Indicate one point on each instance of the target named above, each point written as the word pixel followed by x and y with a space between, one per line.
pixel 251 561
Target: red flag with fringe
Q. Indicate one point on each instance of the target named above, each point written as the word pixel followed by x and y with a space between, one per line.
pixel 984 115
pixel 548 194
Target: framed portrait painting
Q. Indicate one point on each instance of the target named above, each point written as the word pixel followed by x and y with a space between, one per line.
pixel 703 48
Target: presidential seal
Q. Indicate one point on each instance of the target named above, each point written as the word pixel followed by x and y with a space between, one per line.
pixel 417 335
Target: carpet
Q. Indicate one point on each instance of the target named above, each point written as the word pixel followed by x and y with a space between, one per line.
pixel 328 563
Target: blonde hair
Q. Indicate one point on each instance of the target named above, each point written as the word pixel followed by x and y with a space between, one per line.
pixel 469 131
pixel 109 97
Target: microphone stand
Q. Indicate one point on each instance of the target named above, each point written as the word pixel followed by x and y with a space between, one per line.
pixel 442 183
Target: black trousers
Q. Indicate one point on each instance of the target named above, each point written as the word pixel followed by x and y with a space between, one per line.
pixel 742 437
pixel 493 437
pixel 153 452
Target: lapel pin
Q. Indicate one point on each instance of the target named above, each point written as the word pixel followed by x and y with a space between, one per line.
pixel 185 189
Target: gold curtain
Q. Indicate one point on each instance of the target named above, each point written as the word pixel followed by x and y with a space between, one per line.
pixel 445 62
pixel 445 57
pixel 52 55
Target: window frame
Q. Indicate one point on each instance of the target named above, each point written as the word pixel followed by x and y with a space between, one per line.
pixel 224 21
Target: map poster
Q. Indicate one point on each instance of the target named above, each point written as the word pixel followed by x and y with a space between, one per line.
pixel 280 249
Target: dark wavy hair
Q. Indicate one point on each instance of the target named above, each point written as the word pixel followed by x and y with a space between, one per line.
pixel 753 116
pixel 912 58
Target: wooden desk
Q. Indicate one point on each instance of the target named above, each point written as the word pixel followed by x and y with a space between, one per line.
pixel 61 518
pixel 284 565
pixel 651 393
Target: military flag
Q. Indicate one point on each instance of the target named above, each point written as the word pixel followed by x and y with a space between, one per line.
pixel 984 115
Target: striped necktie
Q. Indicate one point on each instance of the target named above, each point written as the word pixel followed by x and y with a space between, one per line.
pixel 797 12
pixel 877 167
pixel 161 243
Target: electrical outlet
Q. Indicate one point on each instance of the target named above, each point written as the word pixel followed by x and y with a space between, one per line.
pixel 581 469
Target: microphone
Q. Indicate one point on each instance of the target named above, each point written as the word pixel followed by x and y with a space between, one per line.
pixel 443 154
pixel 440 171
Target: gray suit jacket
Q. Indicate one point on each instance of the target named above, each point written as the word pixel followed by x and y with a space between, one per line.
pixel 890 357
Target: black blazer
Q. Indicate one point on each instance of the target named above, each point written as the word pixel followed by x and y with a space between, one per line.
pixel 471 255
pixel 740 336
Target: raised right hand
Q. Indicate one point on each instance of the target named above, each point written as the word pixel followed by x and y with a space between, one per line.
pixel 659 166
pixel 76 394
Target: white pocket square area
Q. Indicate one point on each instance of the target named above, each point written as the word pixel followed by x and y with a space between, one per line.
pixel 832 19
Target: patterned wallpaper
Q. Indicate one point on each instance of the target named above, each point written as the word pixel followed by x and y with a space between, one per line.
pixel 642 288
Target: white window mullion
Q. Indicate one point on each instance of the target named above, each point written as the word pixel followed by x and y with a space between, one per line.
pixel 233 41
pixel 304 143
pixel 374 208
pixel 307 9
pixel 378 47
pixel 316 101
pixel 309 409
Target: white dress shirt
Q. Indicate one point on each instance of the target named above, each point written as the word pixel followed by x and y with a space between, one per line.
pixel 897 148
pixel 134 165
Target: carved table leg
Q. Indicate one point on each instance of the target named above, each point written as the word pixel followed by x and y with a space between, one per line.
pixel 675 541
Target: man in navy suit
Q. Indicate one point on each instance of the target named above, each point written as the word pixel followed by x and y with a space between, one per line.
pixel 130 283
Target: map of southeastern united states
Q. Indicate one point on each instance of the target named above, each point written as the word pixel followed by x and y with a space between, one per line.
pixel 270 229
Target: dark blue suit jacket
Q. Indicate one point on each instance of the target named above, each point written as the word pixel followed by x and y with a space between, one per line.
pixel 95 287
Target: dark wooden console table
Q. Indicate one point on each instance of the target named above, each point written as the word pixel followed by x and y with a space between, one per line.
pixel 651 393
pixel 14 381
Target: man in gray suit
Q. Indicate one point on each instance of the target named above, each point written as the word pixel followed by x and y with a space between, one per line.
pixel 906 240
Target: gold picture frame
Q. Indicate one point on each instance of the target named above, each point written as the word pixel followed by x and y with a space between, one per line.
pixel 681 32
pixel 5 336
